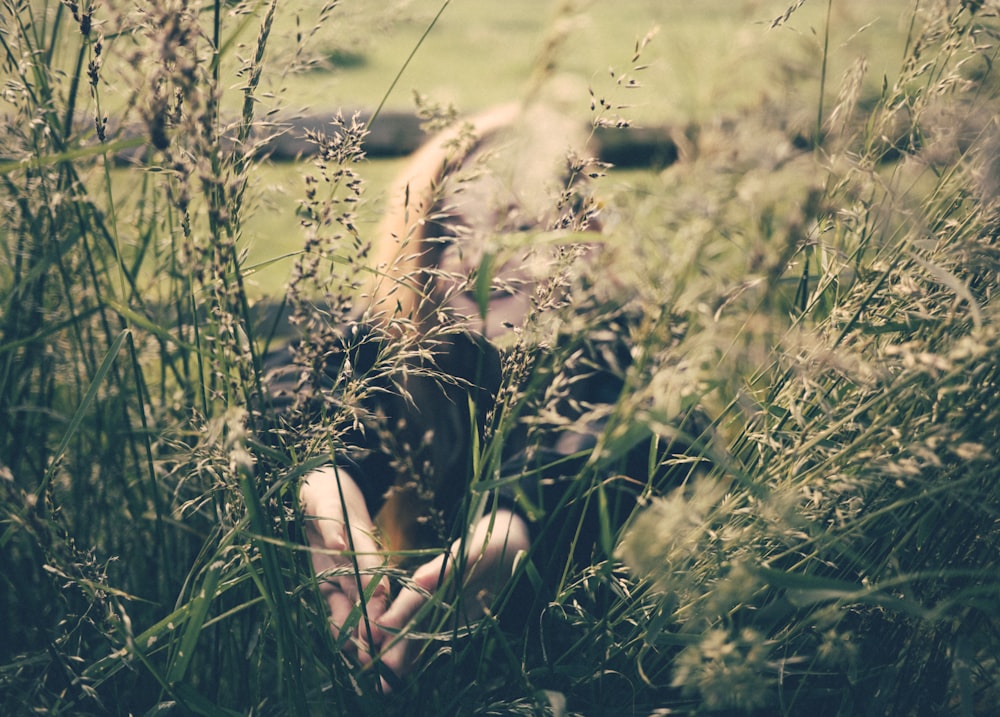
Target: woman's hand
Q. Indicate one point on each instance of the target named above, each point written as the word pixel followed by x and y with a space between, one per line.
pixel 489 556
pixel 347 558
pixel 345 555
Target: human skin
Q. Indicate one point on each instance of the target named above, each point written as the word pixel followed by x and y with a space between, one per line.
pixel 347 555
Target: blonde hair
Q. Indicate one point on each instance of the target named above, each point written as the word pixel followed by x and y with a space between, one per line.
pixel 400 284
pixel 520 154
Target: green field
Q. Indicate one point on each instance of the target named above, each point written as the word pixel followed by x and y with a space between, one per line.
pixel 706 60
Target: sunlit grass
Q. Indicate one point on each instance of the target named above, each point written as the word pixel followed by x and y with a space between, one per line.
pixel 810 300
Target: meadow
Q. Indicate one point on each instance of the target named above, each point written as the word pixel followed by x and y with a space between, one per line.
pixel 813 277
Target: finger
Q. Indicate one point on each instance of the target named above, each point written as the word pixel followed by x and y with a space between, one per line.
pixel 346 614
pixel 369 564
pixel 411 598
pixel 367 632
pixel 367 552
pixel 402 610
pixel 388 679
pixel 388 635
pixel 428 577
pixel 340 612
pixel 394 664
pixel 390 646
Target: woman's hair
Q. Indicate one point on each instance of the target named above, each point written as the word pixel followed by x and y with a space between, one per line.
pixel 502 172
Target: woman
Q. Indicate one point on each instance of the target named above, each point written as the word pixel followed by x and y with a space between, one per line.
pixel 475 246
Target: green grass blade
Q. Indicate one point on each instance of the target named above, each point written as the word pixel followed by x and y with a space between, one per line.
pixel 81 411
pixel 196 621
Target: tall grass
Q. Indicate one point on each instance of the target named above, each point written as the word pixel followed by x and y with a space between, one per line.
pixel 132 517
pixel 820 290
pixel 841 555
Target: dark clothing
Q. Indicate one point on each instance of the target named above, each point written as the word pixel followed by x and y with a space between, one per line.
pixel 437 421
